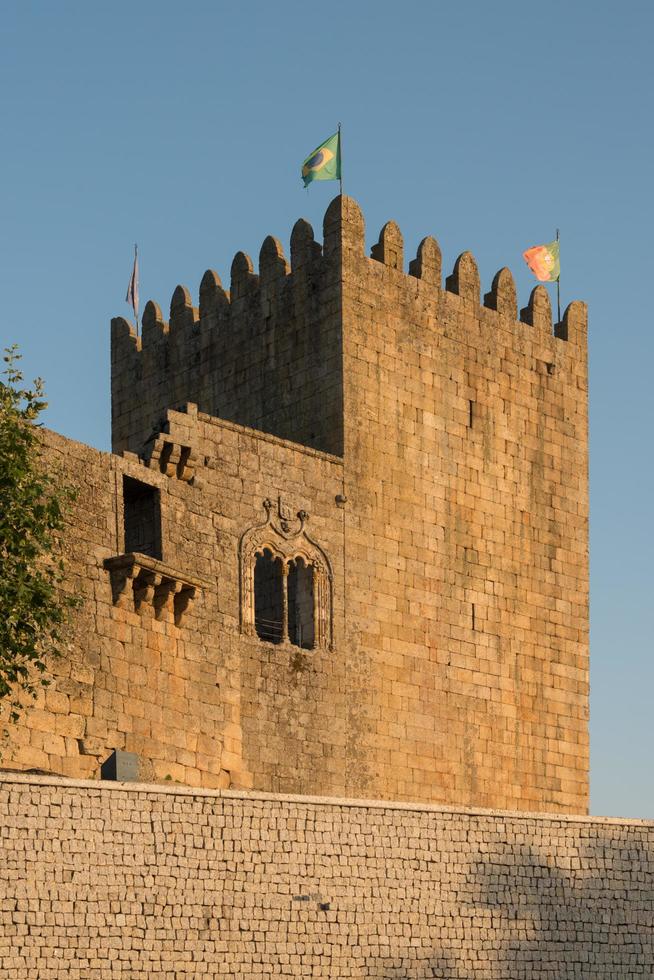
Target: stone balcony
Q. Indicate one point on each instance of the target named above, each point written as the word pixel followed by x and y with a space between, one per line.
pixel 150 584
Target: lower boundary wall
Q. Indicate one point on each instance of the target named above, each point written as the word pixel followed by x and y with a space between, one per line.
pixel 128 880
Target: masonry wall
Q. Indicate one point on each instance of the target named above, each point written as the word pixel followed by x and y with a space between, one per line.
pixel 141 881
pixel 200 701
pixel 265 354
pixel 465 460
pixel 448 533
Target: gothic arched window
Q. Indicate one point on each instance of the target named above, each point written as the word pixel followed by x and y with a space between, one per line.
pixel 286 583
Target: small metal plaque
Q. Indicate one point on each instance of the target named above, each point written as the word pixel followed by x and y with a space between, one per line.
pixel 121 767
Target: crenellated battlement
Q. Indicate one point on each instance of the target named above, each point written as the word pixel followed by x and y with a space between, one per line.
pixel 464 281
pixel 268 352
pixel 274 275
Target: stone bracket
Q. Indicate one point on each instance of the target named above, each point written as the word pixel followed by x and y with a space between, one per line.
pixel 145 583
pixel 172 459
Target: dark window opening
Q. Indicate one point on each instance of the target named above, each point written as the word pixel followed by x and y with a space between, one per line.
pixel 300 604
pixel 142 518
pixel 269 598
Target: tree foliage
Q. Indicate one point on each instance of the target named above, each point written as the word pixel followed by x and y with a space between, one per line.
pixel 33 504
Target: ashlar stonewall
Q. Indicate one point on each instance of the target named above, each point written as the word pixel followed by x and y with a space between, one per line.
pixel 341 544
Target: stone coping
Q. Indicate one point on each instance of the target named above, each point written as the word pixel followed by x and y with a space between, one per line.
pixel 134 559
pixel 269 437
pixel 8 776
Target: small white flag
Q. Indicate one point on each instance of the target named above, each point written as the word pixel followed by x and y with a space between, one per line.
pixel 133 289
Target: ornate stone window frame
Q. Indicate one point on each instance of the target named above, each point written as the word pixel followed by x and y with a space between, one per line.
pixel 287 539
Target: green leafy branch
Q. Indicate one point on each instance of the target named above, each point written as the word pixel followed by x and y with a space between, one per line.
pixel 34 610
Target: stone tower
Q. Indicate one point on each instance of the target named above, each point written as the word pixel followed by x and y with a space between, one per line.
pixel 341 545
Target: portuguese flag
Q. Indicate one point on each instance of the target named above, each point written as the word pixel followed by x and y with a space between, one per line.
pixel 325 161
pixel 543 260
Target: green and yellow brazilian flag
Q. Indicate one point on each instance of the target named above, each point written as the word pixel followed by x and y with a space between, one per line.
pixel 324 163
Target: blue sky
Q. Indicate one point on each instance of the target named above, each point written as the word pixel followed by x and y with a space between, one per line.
pixel 486 125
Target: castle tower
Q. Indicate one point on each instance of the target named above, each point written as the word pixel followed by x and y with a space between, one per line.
pixel 439 478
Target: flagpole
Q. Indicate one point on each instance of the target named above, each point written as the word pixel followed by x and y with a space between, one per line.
pixel 558 284
pixel 340 161
pixel 136 307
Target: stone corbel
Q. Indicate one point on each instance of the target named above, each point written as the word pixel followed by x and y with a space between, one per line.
pixel 122 583
pixel 145 585
pixel 183 599
pixel 153 586
pixel 172 458
pixel 164 598
pixel 173 454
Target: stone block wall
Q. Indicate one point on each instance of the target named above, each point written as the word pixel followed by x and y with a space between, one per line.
pixel 466 473
pixel 266 354
pixel 199 700
pixel 118 880
pixel 447 533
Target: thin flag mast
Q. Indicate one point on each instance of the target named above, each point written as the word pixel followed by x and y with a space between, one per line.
pixel 340 161
pixel 558 285
pixel 132 296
